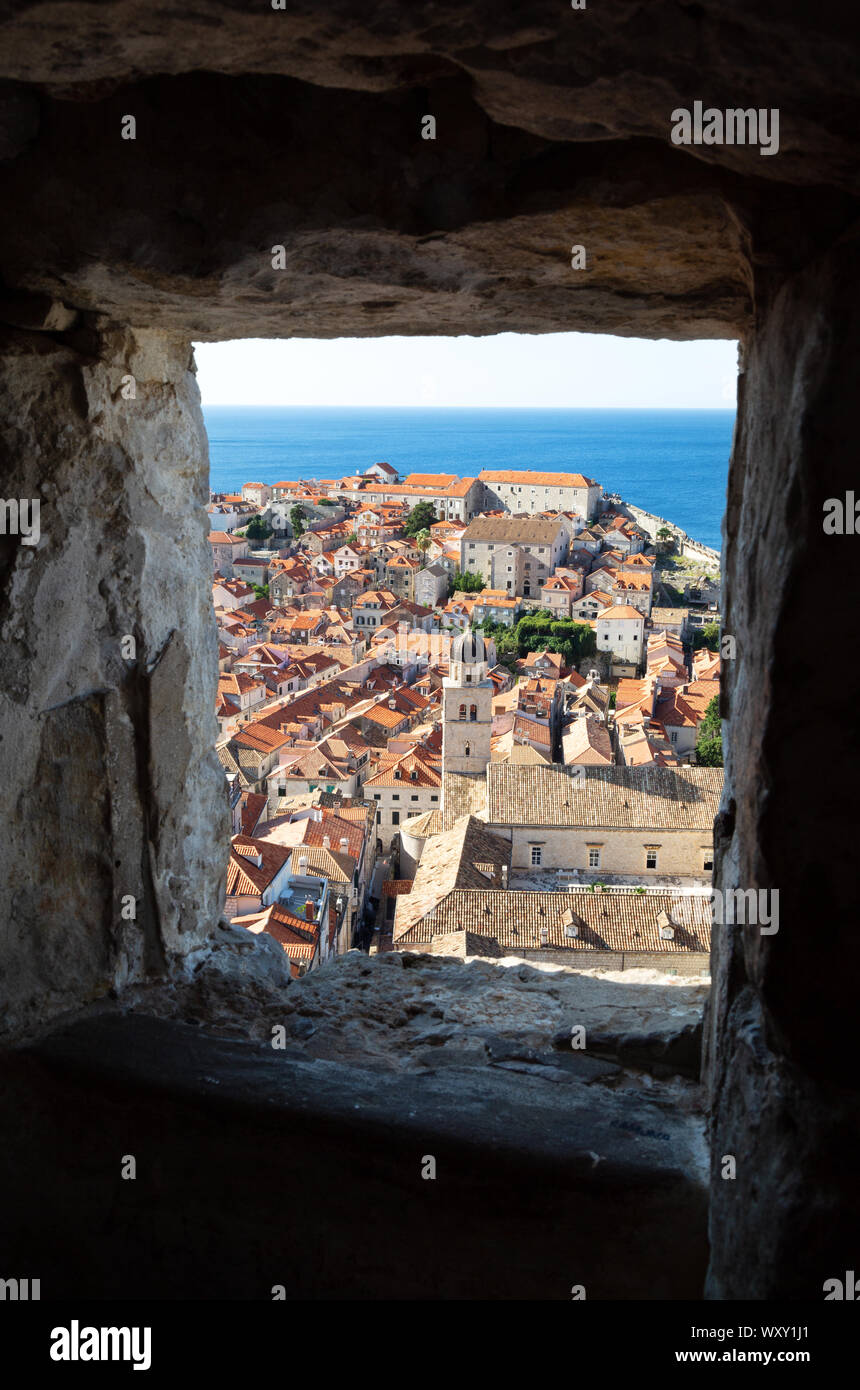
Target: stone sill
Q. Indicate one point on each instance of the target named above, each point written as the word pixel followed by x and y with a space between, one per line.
pixel 258 1167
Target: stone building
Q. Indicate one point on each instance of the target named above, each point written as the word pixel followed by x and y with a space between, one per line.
pixel 455 499
pixel 620 630
pixel 532 491
pixel 543 545
pixel 467 705
pixel 642 822
pixel 402 790
pixel 647 822
pixel 652 930
pixel 431 585
pixel 508 569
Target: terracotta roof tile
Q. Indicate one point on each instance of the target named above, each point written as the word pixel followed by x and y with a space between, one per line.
pixel 658 798
pixel 245 877
pixel 515 920
pixel 494 475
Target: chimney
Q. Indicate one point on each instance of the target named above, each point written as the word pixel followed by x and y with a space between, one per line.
pixel 326 842
pixel 309 911
pixel 303 863
pixel 318 814
pixel 344 844
pixel 504 875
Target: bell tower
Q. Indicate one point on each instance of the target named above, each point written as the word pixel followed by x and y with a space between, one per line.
pixel 467 705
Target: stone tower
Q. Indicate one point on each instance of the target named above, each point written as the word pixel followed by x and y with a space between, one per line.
pixel 467 705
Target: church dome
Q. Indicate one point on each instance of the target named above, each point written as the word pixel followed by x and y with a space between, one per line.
pixel 470 648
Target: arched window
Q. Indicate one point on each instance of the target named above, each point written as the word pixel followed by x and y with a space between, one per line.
pixel 462 711
pixel 468 750
pixel 473 712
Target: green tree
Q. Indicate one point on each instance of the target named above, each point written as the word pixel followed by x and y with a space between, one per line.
pixel 423 541
pixel 665 540
pixel 707 636
pixel 297 520
pixel 258 529
pixel 572 640
pixel 506 647
pixel 466 583
pixel 261 590
pixel 352 538
pixel 709 743
pixel 420 518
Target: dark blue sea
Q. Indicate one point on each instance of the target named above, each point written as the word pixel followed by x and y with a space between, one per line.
pixel 671 462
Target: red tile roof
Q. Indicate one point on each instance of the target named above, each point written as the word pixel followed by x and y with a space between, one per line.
pixel 247 878
pixel 493 475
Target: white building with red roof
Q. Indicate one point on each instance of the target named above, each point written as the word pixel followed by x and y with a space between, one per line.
pixel 621 631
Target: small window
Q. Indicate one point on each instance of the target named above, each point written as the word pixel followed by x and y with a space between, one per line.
pixel 414 798
pixel 435 798
pixel 395 817
pixel 594 859
pixel 537 854
pixel 650 859
pixel 468 750
pixel 462 711
pixel 396 796
pixel 473 713
pixel 709 862
pixel 376 796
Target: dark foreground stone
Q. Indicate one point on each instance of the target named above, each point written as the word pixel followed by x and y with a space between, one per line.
pixel 257 1167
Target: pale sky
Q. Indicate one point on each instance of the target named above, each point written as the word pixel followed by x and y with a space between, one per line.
pixel 510 369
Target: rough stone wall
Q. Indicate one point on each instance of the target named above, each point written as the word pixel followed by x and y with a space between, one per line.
pixel 780 1057
pixel 303 128
pixel 110 785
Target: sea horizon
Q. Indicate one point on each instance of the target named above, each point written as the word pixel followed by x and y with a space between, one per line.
pixel 672 462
